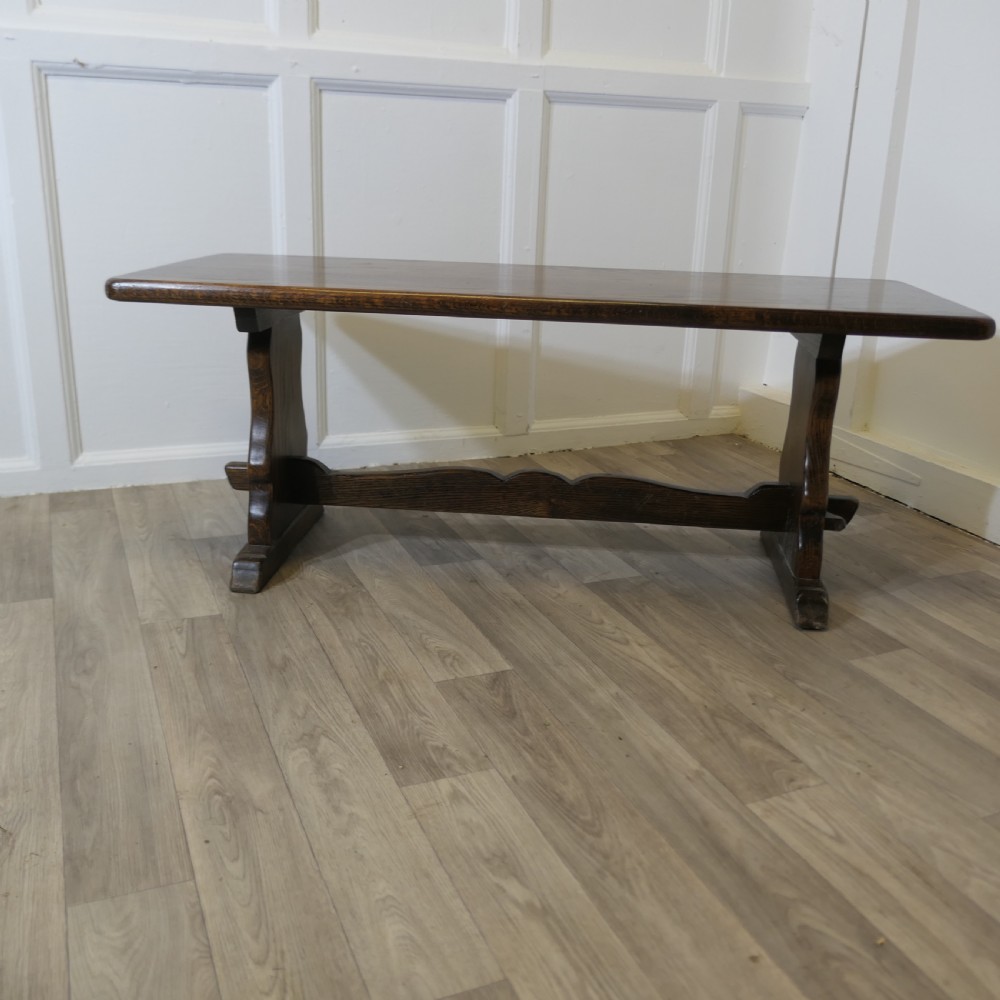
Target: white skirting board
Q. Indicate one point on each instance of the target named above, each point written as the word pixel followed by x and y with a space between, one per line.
pixel 146 466
pixel 459 443
pixel 930 482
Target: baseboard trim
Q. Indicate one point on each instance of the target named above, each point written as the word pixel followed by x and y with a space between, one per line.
pixel 933 483
pixel 95 470
pixel 463 443
pixel 183 463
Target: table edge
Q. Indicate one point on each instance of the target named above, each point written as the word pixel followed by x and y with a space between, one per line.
pixel 497 306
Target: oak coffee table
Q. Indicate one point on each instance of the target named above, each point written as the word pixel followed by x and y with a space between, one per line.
pixel 288 490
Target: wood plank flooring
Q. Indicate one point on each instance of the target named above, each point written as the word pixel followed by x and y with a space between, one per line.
pixel 448 757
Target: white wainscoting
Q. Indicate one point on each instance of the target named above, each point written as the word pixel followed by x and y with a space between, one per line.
pixel 641 134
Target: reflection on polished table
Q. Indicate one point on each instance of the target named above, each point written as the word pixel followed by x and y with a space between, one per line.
pixel 288 489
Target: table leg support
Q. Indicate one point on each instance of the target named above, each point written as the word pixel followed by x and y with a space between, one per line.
pixel 277 433
pixel 797 552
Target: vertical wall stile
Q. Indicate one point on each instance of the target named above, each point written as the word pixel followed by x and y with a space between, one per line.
pixel 717 36
pixel 524 152
pixel 526 20
pixel 292 20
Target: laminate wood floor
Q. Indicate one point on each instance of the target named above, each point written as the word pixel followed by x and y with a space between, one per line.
pixel 494 759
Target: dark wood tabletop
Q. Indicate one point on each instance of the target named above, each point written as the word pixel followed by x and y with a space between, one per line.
pixel 579 294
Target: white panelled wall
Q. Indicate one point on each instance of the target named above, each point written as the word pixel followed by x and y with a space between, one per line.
pixel 689 134
pixel 644 134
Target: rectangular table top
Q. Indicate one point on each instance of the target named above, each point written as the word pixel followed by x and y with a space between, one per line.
pixel 578 294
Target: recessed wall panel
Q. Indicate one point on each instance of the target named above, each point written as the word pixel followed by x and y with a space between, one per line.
pixel 622 191
pixel 411 176
pixel 766 172
pixel 147 172
pixel 442 22
pixel 629 30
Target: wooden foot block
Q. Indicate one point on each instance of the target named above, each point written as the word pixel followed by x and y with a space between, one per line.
pixel 807 599
pixel 256 564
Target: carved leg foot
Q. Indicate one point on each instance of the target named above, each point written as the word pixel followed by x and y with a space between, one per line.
pixel 256 564
pixel 807 599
